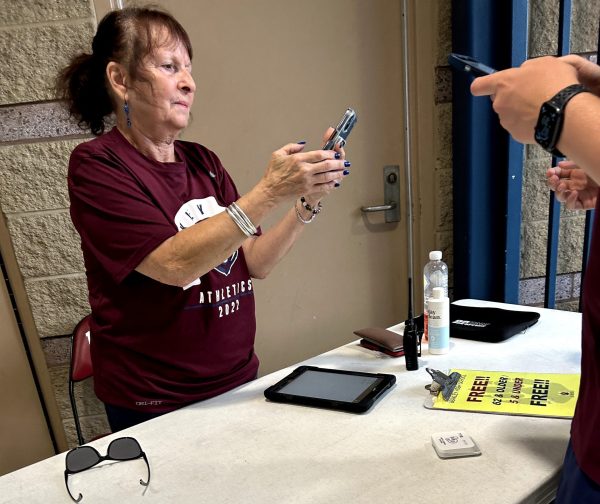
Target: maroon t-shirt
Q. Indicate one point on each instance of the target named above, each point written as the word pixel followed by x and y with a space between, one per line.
pixel 585 430
pixel 156 347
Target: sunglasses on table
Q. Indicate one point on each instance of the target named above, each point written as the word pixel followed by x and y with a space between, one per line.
pixel 85 457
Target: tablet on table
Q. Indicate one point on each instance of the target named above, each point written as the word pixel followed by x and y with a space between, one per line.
pixel 338 389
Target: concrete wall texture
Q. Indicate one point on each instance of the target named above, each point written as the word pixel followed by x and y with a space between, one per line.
pixel 442 174
pixel 36 138
pixel 543 40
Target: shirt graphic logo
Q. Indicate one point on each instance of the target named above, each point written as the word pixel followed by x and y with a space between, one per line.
pixel 225 267
pixel 197 210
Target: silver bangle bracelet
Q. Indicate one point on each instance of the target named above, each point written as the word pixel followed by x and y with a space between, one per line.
pixel 249 224
pixel 236 222
pixel 241 219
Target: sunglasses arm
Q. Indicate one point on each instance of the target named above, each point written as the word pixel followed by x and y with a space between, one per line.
pixel 142 482
pixel 69 490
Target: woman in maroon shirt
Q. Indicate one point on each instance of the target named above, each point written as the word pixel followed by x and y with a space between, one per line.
pixel 170 246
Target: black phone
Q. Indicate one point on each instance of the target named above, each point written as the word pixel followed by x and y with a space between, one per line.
pixel 342 130
pixel 469 65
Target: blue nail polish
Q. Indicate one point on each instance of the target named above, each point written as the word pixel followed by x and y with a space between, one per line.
pixel 301 142
pixel 337 184
pixel 346 172
pixel 338 155
pixel 347 164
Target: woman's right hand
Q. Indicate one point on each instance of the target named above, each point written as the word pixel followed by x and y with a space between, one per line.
pixel 572 186
pixel 292 173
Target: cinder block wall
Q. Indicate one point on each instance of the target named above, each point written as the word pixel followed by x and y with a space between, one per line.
pixel 442 174
pixel 543 40
pixel 36 138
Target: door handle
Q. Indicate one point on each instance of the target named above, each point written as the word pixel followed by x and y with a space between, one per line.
pixel 378 208
pixel 391 194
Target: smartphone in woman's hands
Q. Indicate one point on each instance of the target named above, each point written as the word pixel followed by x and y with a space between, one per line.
pixel 342 130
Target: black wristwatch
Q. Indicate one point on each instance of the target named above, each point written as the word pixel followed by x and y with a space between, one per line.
pixel 551 118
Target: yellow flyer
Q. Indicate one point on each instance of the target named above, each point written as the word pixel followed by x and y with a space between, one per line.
pixel 512 393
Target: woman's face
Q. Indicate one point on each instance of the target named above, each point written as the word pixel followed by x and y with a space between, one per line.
pixel 160 103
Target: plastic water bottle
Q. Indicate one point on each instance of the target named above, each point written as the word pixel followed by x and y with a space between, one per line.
pixel 438 308
pixel 435 274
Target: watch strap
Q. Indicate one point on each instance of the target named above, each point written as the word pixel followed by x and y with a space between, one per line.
pixel 560 100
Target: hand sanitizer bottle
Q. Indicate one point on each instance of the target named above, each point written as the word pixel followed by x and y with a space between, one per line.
pixel 438 312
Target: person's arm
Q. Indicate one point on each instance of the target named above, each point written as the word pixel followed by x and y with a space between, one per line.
pixel 196 250
pixel 264 252
pixel 580 138
pixel 518 94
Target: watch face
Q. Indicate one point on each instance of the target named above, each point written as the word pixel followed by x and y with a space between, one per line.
pixel 551 117
pixel 547 128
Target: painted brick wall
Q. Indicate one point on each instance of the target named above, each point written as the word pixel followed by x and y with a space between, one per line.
pixel 36 139
pixel 543 40
pixel 443 146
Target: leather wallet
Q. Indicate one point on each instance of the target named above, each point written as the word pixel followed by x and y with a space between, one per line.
pixel 383 338
pixel 379 348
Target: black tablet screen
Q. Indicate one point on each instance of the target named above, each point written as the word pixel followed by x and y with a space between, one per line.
pixel 330 386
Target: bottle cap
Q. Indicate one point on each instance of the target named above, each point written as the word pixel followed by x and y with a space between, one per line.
pixel 438 293
pixel 435 255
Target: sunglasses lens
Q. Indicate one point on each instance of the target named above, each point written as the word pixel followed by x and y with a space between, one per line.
pixel 124 449
pixel 82 458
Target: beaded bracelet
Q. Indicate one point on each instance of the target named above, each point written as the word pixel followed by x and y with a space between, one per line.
pixel 314 211
pixel 310 208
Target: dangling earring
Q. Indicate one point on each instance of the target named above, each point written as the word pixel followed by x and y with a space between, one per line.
pixel 126 110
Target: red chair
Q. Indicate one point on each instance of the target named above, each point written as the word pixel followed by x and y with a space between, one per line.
pixel 81 365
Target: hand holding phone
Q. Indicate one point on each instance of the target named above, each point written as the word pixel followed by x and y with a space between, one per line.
pixel 342 130
pixel 469 65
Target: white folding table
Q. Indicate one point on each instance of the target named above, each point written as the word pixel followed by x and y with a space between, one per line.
pixel 239 448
